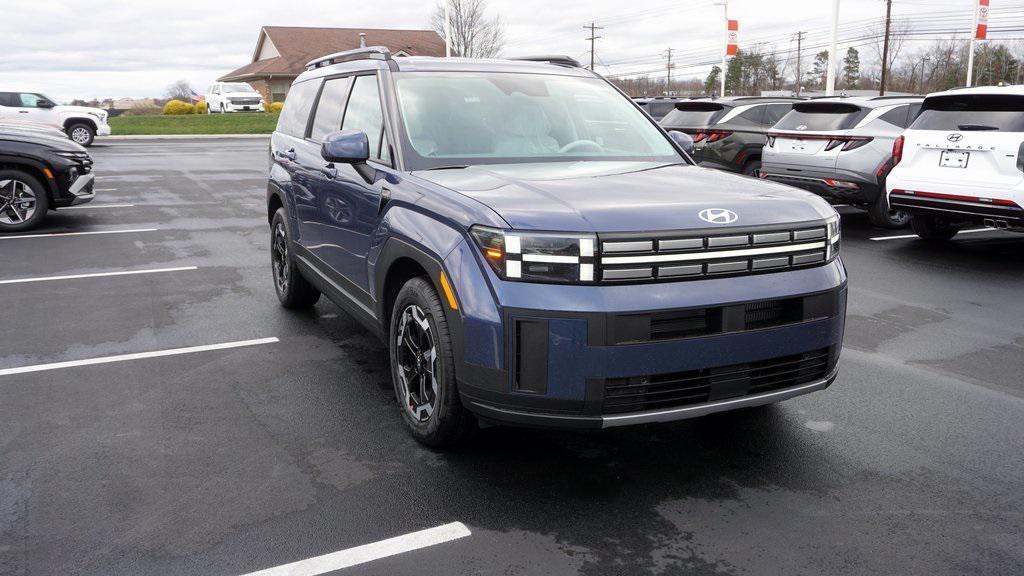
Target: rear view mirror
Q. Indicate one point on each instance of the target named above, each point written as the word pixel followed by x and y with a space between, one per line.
pixel 683 140
pixel 346 147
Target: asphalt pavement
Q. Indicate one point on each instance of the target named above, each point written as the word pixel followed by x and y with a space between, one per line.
pixel 246 437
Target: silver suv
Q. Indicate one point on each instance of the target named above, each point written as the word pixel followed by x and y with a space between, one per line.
pixel 841 148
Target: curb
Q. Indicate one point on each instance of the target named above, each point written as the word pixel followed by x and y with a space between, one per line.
pixel 179 136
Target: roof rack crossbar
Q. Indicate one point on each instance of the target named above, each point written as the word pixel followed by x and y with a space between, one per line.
pixel 367 53
pixel 551 59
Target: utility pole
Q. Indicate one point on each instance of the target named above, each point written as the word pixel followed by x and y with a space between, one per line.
pixel 799 45
pixel 592 38
pixel 725 45
pixel 668 70
pixel 830 75
pixel 885 47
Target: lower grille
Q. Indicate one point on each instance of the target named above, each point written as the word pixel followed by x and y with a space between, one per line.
pixel 677 389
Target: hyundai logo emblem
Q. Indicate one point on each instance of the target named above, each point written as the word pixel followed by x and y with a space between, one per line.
pixel 718 216
pixel 954 137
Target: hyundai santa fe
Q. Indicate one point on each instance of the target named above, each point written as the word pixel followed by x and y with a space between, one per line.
pixel 535 250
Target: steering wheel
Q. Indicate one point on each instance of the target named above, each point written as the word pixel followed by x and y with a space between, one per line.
pixel 581 145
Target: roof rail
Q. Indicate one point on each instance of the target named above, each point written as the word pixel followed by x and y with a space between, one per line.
pixel 367 53
pixel 551 59
pixel 767 98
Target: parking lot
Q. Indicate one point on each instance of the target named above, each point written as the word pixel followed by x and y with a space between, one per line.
pixel 244 437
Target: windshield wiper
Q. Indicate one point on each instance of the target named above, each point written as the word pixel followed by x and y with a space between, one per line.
pixel 452 167
pixel 977 127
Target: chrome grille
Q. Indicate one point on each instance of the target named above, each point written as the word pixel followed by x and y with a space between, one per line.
pixel 634 258
pixel 245 101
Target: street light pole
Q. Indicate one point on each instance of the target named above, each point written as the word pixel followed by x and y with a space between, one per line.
pixel 447 29
pixel 725 43
pixel 830 82
pixel 970 55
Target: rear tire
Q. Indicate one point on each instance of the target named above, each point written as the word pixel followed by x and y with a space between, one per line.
pixel 931 229
pixel 752 168
pixel 292 289
pixel 23 201
pixel 423 368
pixel 881 216
pixel 81 134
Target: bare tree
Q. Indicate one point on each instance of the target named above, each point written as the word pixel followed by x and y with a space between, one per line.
pixel 474 35
pixel 180 90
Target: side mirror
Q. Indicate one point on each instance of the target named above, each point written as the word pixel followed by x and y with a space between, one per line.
pixel 684 140
pixel 346 147
pixel 44 104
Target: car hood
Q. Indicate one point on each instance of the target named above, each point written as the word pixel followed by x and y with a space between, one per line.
pixel 55 142
pixel 625 196
pixel 80 110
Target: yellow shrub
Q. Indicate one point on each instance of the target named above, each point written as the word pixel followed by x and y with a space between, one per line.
pixel 177 107
pixel 275 107
pixel 201 107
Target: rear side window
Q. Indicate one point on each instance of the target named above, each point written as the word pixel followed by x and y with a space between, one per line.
pixel 658 109
pixel 897 116
pixel 330 107
pixel 972 112
pixel 822 117
pixel 694 115
pixel 295 115
pixel 753 117
pixel 774 112
pixel 364 112
pixel 6 99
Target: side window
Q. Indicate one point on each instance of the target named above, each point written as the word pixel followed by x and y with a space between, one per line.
pixel 897 116
pixel 915 109
pixel 750 117
pixel 7 99
pixel 774 112
pixel 29 100
pixel 661 108
pixel 364 112
pixel 295 115
pixel 328 110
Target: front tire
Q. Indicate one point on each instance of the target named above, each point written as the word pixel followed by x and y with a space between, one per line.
pixel 292 289
pixel 932 229
pixel 81 134
pixel 23 201
pixel 423 368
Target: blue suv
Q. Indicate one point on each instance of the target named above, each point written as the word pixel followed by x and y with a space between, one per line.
pixel 535 250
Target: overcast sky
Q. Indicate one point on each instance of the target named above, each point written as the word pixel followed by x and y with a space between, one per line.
pixel 95 49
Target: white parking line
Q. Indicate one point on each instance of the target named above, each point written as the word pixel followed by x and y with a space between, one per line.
pixel 369 552
pixel 138 356
pixel 93 206
pixel 906 236
pixel 137 230
pixel 97 275
pixel 105 190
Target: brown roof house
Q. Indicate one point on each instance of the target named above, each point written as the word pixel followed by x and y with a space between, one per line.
pixel 282 52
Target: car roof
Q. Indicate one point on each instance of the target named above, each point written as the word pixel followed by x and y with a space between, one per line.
pixel 867 101
pixel 540 65
pixel 1011 90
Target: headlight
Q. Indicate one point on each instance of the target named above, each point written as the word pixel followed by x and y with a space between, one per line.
pixel 537 256
pixel 832 249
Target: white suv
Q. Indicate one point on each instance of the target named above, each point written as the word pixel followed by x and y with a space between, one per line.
pixel 233 97
pixel 962 162
pixel 82 124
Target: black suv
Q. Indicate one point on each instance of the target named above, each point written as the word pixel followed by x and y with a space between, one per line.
pixel 39 172
pixel 728 133
pixel 535 250
pixel 658 106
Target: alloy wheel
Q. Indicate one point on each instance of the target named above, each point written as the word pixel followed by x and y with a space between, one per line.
pixel 279 257
pixel 417 363
pixel 80 135
pixel 17 202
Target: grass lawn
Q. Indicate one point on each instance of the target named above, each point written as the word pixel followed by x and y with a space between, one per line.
pixel 234 123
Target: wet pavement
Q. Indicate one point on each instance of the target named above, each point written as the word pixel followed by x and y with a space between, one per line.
pixel 231 461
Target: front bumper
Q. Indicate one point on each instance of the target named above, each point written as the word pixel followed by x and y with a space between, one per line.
pixel 600 356
pixel 243 107
pixel 81 191
pixel 103 130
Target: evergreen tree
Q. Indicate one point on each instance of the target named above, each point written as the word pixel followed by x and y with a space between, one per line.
pixel 711 83
pixel 851 68
pixel 819 70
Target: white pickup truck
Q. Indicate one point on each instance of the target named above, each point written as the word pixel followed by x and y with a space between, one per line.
pixel 82 124
pixel 233 97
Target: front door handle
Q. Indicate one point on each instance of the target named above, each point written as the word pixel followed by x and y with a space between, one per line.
pixel 290 154
pixel 22 111
pixel 330 171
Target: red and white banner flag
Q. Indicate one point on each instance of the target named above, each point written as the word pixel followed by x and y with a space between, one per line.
pixel 734 35
pixel 982 30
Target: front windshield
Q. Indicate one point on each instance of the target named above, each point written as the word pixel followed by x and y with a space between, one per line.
pixel 493 118
pixel 237 87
